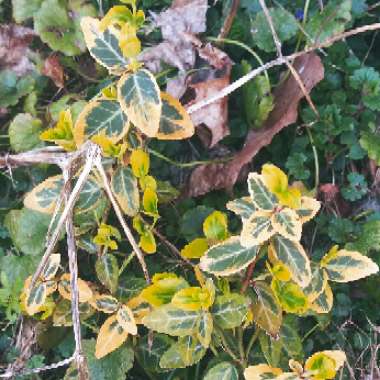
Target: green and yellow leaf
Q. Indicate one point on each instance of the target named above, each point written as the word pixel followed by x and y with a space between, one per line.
pixel 308 209
pixel 257 229
pixel 125 187
pixel 139 96
pixel 243 207
pixel 228 257
pixel 292 254
pixel 324 302
pixel 345 266
pixel 230 310
pixel 35 296
pixel 175 122
pixel 205 328
pixel 43 197
pixel 193 298
pixel 148 242
pixel 105 234
pixel 290 296
pixel 222 371
pixel 107 271
pixel 266 312
pixel 101 117
pixel 195 249
pixel 287 223
pixel 215 226
pixel 261 372
pixel 261 197
pixel 103 45
pixel 105 303
pixel 51 266
pixel 150 202
pixel 140 163
pixel 126 319
pixel 325 364
pixel 129 42
pixel 84 291
pixel 317 284
pixel 111 336
pixel 162 291
pixel 169 319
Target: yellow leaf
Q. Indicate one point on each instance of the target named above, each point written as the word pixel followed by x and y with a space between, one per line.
pixel 215 226
pixel 195 249
pixel 193 298
pixel 140 163
pixel 129 42
pixel 150 202
pixel 162 276
pixel 140 308
pixel 148 242
pixel 126 319
pixel 62 133
pixel 175 122
pixel 261 372
pixel 324 365
pixel 64 288
pixel 110 149
pixel 281 272
pixel 148 182
pixel 111 336
pixel 290 198
pixel 110 92
pixel 105 234
pixel 117 15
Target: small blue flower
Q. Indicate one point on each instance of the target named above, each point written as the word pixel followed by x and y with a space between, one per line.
pixel 299 14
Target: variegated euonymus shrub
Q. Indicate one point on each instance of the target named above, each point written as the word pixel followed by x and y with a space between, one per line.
pixel 239 287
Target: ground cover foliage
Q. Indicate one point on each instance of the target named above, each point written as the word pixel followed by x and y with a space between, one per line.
pixel 233 239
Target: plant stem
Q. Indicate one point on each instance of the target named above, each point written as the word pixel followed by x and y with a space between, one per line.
pixel 251 342
pixel 241 346
pixel 126 262
pixel 316 159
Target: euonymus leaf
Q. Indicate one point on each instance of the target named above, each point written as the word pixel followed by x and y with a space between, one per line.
pixel 58 24
pixel 195 249
pixel 51 267
pixel 229 310
pixel 205 328
pixel 228 257
pixel 324 302
pixel 261 197
pixel 125 187
pixel 126 319
pixel 35 297
pixel 266 311
pixel 325 364
pixel 107 270
pixel 44 196
pixel 287 223
pixel 171 320
pixel 84 291
pixel 317 284
pixel 105 303
pixel 257 229
pixel 139 96
pixel 263 372
pixel 101 117
pixel 243 207
pixel 215 226
pixel 140 163
pixel 175 122
pixel 345 266
pixel 111 336
pixel 222 371
pixel 308 209
pixel 24 133
pixel 186 352
pixel 103 45
pixel 292 254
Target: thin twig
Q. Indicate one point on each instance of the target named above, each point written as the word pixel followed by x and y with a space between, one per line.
pixel 119 215
pixel 229 19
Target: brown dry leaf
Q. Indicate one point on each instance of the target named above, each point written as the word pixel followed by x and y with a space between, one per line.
pixel 53 69
pixel 287 97
pixel 207 83
pixel 178 24
pixel 14 51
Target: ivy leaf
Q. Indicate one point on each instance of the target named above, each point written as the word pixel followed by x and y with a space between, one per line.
pixel 169 319
pixel 331 21
pixel 340 230
pixel 102 117
pixel 111 336
pixel 229 310
pixel 367 79
pixel 356 188
pixel 186 352
pixel 175 122
pixel 223 370
pixel 139 96
pixel 215 226
pixel 345 266
pixel 24 133
pixel 107 270
pixel 228 257
pixel 124 186
pixel 293 255
pixel 103 45
pixel 58 25
pixel 13 88
pixel 284 22
pixel 27 229
pixel 266 311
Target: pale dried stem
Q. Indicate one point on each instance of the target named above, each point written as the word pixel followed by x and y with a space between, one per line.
pixel 119 214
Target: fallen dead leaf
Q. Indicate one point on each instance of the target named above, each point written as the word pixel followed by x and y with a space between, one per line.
pixel 53 69
pixel 14 51
pixel 286 97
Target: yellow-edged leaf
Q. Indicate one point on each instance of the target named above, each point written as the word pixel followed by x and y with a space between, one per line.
pixel 261 372
pixel 287 223
pixel 34 297
pixel 51 266
pixel 324 302
pixel 308 209
pixel 111 336
pixel 126 319
pixel 324 365
pixel 140 308
pixel 64 288
pixel 195 249
pixel 105 303
pixel 257 229
pixel 139 96
pixel 175 122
